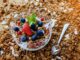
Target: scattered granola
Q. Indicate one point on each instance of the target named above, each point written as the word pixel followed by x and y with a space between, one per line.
pixel 62 10
pixel 67 36
pixel 75 31
pixel 13 52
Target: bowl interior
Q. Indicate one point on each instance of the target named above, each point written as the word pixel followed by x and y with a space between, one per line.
pixel 24 45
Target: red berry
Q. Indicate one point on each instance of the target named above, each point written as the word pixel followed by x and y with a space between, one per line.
pixel 18 23
pixel 26 29
pixel 19 33
pixel 42 19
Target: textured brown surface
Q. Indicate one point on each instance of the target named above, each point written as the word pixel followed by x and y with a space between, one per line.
pixel 70 48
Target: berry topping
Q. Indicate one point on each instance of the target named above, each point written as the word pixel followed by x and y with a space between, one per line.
pixel 26 29
pixel 33 27
pixel 18 23
pixel 34 37
pixel 22 20
pixel 42 19
pixel 40 23
pixel 24 38
pixel 16 29
pixel 19 33
pixel 40 32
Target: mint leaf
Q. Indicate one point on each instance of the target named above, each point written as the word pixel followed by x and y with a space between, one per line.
pixel 32 18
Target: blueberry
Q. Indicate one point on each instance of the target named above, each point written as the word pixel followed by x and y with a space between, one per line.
pixel 40 23
pixel 16 29
pixel 40 32
pixel 33 27
pixel 34 37
pixel 24 38
pixel 22 20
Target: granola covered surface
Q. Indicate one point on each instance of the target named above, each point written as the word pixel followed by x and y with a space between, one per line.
pixel 64 11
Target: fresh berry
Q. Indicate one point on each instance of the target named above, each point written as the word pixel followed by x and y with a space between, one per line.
pixel 40 32
pixel 40 23
pixel 16 29
pixel 24 38
pixel 18 23
pixel 26 29
pixel 34 37
pixel 42 19
pixel 19 33
pixel 22 20
pixel 33 27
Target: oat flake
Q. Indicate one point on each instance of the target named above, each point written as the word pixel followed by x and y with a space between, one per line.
pixel 13 52
pixel 75 31
pixel 67 36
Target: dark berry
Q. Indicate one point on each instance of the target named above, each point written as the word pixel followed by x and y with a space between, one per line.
pixel 34 37
pixel 40 32
pixel 33 27
pixel 40 24
pixel 22 20
pixel 24 38
pixel 16 29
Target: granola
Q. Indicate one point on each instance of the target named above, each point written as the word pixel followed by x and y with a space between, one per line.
pixel 50 9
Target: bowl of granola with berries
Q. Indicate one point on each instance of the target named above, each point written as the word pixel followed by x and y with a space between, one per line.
pixel 31 33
